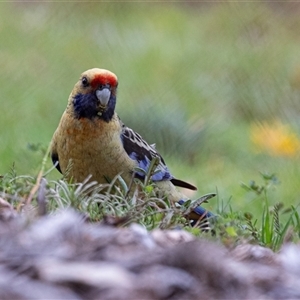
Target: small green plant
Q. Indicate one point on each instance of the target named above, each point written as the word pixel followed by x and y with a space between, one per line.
pixel 275 226
pixel 276 222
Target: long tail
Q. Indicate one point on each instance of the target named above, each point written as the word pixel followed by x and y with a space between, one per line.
pixel 183 184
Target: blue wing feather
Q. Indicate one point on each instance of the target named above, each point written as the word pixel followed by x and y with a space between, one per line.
pixel 140 151
pixel 162 173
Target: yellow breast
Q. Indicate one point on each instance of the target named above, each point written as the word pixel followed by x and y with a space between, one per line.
pixel 93 147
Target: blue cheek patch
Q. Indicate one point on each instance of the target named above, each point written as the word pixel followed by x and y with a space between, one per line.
pixel 161 174
pixel 85 106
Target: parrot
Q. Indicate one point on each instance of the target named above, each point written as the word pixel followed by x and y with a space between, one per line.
pixel 91 140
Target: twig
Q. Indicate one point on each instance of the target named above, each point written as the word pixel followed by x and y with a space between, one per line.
pixel 41 198
pixel 39 178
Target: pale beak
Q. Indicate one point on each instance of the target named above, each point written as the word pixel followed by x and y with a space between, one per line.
pixel 103 96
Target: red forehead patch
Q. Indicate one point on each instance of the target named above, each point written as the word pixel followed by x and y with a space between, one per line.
pixel 104 78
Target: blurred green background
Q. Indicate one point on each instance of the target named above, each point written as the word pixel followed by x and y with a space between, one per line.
pixel 215 85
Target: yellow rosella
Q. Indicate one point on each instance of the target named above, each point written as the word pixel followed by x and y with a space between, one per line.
pixel 92 137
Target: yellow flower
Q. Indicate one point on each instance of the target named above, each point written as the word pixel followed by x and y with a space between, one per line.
pixel 276 139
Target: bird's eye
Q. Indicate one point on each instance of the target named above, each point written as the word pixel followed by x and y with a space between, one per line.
pixel 84 81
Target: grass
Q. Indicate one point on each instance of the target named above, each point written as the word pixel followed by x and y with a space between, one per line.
pixel 206 83
pixel 112 204
pixel 278 224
